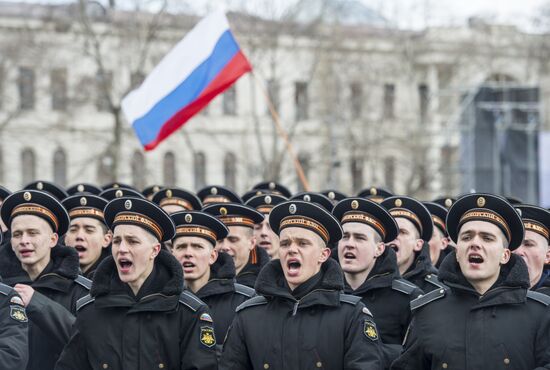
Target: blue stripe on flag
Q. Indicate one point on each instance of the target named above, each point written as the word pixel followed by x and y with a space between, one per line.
pixel 148 126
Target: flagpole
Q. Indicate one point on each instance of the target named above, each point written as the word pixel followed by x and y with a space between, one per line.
pixel 283 134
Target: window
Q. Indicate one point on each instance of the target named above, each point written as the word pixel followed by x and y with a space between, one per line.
pixel 356 100
pixel 169 169
pixel 2 77
pixel 60 167
pixel 138 170
pixel 230 101
pixel 28 160
pixel 136 78
pixel 58 86
pixel 273 90
pixel 424 96
pixel 389 172
pixel 301 101
pixel 104 83
pixel 199 168
pixel 389 100
pixel 105 172
pixel 304 159
pixel 1 166
pixel 230 170
pixel 450 169
pixel 356 173
pixel 26 88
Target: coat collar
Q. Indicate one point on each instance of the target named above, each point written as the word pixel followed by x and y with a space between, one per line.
pixel 422 264
pixel 383 273
pixel 222 277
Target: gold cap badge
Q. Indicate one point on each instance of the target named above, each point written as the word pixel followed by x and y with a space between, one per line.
pixel 40 186
pixel 331 195
pixel 188 218
pixel 27 196
pixel 481 202
pixel 214 191
pixel 448 202
pixel 292 209
pixel 373 191
pixel 267 199
pixel 223 211
pixel 83 201
pixel 119 193
pixel 354 204
pixel 307 198
pixel 169 193
pixel 128 204
pixel 80 188
pixel 398 202
pixel 272 185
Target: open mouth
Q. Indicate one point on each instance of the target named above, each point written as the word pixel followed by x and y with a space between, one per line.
pixel 25 252
pixel 80 249
pixel 125 265
pixel 293 266
pixel 349 256
pixel 265 244
pixel 394 247
pixel 475 259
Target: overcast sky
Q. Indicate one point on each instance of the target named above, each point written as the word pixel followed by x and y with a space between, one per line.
pixel 415 13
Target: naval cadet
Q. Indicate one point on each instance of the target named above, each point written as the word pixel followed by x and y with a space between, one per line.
pixel 137 315
pixel 485 317
pixel 301 318
pixel 265 237
pixel 14 346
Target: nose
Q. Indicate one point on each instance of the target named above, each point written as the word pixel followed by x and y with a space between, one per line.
pixel 223 245
pixel 520 251
pixel 80 234
pixel 264 231
pixel 123 247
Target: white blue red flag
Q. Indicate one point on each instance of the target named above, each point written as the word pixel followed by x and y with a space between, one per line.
pixel 205 63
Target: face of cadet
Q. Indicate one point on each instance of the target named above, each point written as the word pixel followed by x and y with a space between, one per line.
pixel 266 238
pixel 195 254
pixel 302 252
pixel 238 244
pixel 437 243
pixel 535 252
pixel 134 250
pixel 359 248
pixel 173 208
pixel 88 236
pixel 407 242
pixel 480 250
pixel 32 238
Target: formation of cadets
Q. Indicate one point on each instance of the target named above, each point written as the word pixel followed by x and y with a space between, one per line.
pixel 114 278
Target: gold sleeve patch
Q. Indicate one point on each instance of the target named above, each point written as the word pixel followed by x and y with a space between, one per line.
pixel 370 330
pixel 18 314
pixel 207 336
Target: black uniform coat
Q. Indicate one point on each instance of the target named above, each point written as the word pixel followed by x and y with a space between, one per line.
pixel 160 328
pixel 223 295
pixel 14 346
pixel 543 286
pixel 314 327
pixel 422 273
pixel 247 276
pixel 52 307
pixel 388 297
pixel 457 328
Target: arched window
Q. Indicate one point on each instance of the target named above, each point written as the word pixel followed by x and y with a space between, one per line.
pixel 105 173
pixel 230 170
pixel 356 173
pixel 199 170
pixel 138 170
pixel 305 160
pixel 389 172
pixel 28 161
pixel 169 169
pixel 60 167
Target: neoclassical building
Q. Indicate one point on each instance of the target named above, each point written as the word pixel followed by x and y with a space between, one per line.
pixel 363 103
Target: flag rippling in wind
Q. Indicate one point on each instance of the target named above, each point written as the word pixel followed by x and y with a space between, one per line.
pixel 202 65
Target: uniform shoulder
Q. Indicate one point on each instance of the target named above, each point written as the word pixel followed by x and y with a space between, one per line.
pixel 191 301
pixel 539 297
pixel 83 282
pixel 434 280
pixel 404 286
pixel 350 299
pixel 244 290
pixel 87 299
pixel 5 289
pixel 423 300
pixel 256 301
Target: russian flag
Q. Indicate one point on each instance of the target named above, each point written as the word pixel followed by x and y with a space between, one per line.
pixel 203 64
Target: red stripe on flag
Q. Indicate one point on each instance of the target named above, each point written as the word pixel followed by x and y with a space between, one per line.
pixel 238 66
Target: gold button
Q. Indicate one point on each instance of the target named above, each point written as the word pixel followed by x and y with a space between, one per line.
pixel 319 364
pixel 506 361
pixel 444 365
pixel 161 366
pixel 266 366
pixel 105 366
